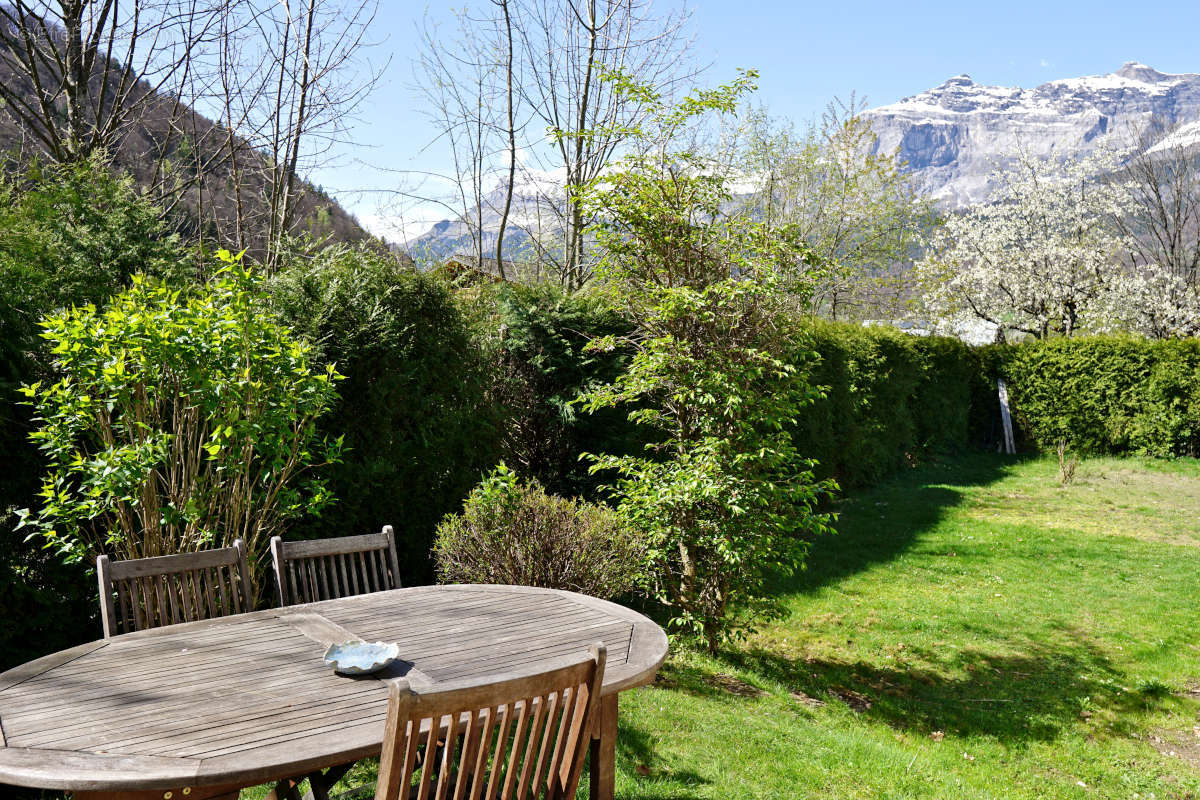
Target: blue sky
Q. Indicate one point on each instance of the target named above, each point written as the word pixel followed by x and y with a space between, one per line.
pixel 807 54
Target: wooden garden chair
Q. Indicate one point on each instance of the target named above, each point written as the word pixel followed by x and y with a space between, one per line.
pixel 146 593
pixel 520 737
pixel 326 569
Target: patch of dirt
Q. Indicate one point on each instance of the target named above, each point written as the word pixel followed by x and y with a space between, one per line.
pixel 664 681
pixel 1177 745
pixel 1192 691
pixel 733 685
pixel 803 699
pixel 857 702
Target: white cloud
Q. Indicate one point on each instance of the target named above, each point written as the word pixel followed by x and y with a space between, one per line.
pixel 1044 63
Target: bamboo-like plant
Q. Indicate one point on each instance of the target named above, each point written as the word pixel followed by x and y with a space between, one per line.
pixel 182 419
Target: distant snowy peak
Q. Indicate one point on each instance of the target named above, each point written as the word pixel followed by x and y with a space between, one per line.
pixel 1137 71
pixel 953 135
pixel 961 94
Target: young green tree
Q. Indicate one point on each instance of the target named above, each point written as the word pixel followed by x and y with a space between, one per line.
pixel 855 207
pixel 722 495
pixel 178 419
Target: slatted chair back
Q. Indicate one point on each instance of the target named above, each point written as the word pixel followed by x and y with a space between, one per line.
pixel 326 569
pixel 145 593
pixel 512 739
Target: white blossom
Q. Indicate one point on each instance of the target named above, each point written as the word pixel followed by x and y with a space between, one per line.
pixel 1043 257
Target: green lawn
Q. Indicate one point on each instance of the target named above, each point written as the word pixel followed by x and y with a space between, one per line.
pixel 974 630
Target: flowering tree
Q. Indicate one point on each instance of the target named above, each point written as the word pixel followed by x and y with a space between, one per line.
pixel 1162 177
pixel 1042 258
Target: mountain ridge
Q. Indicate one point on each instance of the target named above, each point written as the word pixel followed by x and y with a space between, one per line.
pixel 953 136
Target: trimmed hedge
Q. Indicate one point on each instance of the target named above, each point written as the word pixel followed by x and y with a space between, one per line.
pixel 420 428
pixel 891 400
pixel 540 366
pixel 1104 394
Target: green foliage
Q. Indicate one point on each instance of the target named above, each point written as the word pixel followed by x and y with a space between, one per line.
pixel 890 399
pixel 72 234
pixel 541 363
pixel 69 235
pixel 418 425
pixel 722 494
pixel 1106 394
pixel 178 419
pixel 511 531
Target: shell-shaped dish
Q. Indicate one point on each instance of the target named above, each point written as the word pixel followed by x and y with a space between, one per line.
pixel 360 658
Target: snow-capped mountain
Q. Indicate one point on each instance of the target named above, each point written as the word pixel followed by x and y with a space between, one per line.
pixel 537 206
pixel 953 136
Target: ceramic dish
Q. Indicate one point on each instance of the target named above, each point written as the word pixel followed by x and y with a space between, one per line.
pixel 360 658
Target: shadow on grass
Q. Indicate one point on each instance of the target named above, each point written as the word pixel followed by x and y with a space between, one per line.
pixel 877 525
pixel 1031 692
pixel 637 747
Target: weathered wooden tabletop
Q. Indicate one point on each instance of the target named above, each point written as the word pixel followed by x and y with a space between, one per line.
pixel 247 699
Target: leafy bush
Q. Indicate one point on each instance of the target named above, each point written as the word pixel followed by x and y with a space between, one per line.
pixel 179 420
pixel 1106 394
pixel 414 408
pixel 512 532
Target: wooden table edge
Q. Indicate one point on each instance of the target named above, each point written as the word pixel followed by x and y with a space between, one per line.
pixel 81 777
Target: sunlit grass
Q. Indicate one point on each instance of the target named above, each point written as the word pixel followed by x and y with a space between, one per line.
pixel 975 630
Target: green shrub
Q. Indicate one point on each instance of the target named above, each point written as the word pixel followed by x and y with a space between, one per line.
pixel 1106 394
pixel 542 363
pixel 414 408
pixel 177 420
pixel 511 531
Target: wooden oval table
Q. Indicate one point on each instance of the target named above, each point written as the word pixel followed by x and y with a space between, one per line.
pixel 200 710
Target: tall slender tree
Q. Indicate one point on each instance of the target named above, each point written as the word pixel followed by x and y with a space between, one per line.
pixel 81 73
pixel 549 65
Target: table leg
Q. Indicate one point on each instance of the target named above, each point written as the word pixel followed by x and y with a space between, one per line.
pixel 603 754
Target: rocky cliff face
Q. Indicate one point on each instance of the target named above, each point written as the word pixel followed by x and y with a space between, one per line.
pixel 954 135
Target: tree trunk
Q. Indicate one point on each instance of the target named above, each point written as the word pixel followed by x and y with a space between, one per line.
pixel 512 139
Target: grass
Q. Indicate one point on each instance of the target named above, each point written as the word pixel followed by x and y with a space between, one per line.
pixel 974 630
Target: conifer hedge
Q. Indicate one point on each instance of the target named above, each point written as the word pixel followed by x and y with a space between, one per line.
pixel 1113 395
